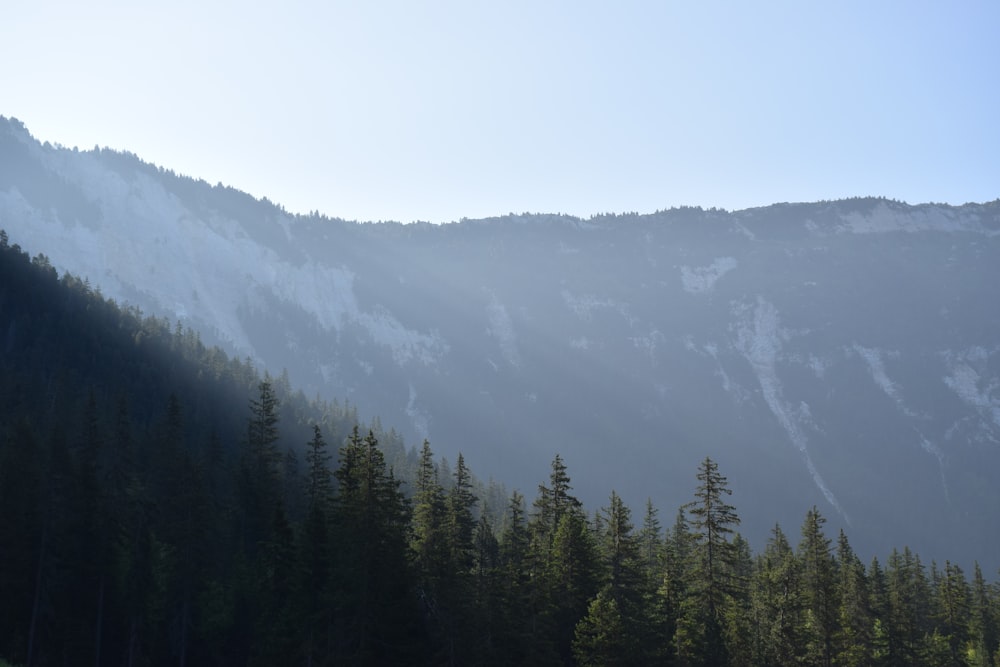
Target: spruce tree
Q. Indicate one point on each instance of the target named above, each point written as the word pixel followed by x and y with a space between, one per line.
pixel 259 471
pixel 700 637
pixel 430 546
pixel 673 587
pixel 908 610
pixel 560 565
pixel 516 626
pixel 315 552
pixel 460 520
pixel 376 622
pixel 428 534
pixel 601 637
pixel 819 589
pixel 855 619
pixel 952 613
pixel 552 503
pixel 777 606
pixel 620 549
pixel 573 577
pixel 983 630
pixel 655 631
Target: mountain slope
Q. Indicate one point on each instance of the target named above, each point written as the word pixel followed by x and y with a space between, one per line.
pixel 844 354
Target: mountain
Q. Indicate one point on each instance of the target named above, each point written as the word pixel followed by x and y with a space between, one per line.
pixel 839 354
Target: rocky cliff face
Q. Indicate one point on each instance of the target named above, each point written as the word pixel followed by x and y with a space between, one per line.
pixel 839 354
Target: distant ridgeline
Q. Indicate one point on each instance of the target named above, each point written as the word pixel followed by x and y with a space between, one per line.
pixel 839 354
pixel 161 503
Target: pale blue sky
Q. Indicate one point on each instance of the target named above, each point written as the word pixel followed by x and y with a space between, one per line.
pixel 424 110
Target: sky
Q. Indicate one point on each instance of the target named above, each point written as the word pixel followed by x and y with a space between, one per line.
pixel 437 111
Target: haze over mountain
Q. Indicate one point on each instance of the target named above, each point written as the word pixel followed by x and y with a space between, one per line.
pixel 839 354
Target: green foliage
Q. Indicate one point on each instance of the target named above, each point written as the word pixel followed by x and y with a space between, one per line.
pixel 776 603
pixel 819 591
pixel 601 635
pixel 713 581
pixel 152 512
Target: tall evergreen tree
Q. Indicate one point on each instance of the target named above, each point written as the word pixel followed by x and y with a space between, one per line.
pixel 315 552
pixel 908 608
pixel 573 578
pixel 952 615
pixel 737 613
pixel 260 467
pixel 672 590
pixel 487 597
pixel 552 503
pixel 651 544
pixel 376 611
pixel 561 566
pixel 460 519
pixel 777 606
pixel 983 630
pixel 883 641
pixel 601 637
pixel 319 489
pixel 854 639
pixel 516 627
pixel 623 564
pixel 430 546
pixel 699 638
pixel 819 591
pixel 262 431
pixel 657 631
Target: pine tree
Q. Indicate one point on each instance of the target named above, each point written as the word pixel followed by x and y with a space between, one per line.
pixel 559 543
pixel 259 471
pixel 622 564
pixel 429 543
pixel 601 637
pixel 262 432
pixel 573 577
pixel 487 592
pixel 673 587
pixel 656 629
pixel 651 543
pixel 699 638
pixel 552 503
pixel 737 613
pixel 819 589
pixel 460 520
pixel 315 551
pixel 562 566
pixel 883 641
pixel 907 613
pixel 456 594
pixel 855 620
pixel 953 611
pixel 517 623
pixel 777 606
pixel 376 623
pixel 983 631
pixel 319 487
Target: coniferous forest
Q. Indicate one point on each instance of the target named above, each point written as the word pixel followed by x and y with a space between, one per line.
pixel 163 504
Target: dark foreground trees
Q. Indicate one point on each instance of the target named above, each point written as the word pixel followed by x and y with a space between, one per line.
pixel 153 512
pixel 367 574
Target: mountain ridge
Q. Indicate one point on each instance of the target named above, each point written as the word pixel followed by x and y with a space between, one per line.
pixel 790 340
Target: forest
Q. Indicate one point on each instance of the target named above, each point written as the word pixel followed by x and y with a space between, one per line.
pixel 163 504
